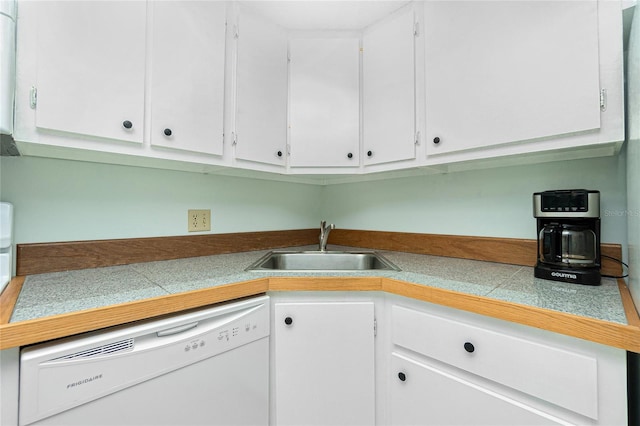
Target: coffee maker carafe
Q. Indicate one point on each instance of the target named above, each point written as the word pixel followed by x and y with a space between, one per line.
pixel 568 223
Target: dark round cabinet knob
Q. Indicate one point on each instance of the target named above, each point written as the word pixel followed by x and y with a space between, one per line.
pixel 279 153
pixel 349 155
pixel 127 124
pixel 468 346
pixel 402 376
pixel 436 140
pixel 288 320
pixel 369 153
pixel 167 132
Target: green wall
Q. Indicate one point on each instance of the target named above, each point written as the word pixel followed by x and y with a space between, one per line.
pixel 59 200
pixel 493 202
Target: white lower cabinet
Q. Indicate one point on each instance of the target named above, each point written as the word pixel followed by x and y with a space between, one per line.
pixel 324 363
pixel 423 394
pixel 450 367
pixel 425 364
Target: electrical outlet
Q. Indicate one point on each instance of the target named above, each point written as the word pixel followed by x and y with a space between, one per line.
pixel 199 220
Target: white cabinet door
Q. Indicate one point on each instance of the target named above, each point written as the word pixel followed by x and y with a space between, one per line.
pixel 501 72
pixel 388 74
pixel 187 75
pixel 324 102
pixel 91 68
pixel 324 363
pixel 503 358
pixel 261 90
pixel 424 395
pixel 7 65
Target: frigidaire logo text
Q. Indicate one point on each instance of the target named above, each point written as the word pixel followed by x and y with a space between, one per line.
pixel 564 275
pixel 84 381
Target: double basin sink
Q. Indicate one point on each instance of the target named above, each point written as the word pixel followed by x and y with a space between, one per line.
pixel 322 261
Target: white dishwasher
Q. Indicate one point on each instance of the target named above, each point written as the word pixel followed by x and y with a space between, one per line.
pixel 204 367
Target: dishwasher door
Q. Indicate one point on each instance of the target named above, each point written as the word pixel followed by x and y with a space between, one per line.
pixel 208 367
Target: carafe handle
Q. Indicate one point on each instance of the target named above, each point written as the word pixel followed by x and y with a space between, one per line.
pixel 549 244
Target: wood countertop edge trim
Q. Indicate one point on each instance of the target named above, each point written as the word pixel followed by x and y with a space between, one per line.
pixel 325 283
pixel 608 333
pixel 64 325
pixel 9 297
pixel 627 302
pixel 622 336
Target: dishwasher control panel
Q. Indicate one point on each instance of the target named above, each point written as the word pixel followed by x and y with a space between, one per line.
pixel 233 334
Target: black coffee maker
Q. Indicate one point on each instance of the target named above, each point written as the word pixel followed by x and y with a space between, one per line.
pixel 568 235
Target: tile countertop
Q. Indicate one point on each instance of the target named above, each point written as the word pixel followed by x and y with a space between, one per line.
pixel 57 293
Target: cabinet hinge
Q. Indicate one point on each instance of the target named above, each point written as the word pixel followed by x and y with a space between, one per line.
pixel 603 99
pixel 417 138
pixel 416 29
pixel 288 149
pixel 375 327
pixel 33 97
pixel 234 139
pixel 288 56
pixel 236 31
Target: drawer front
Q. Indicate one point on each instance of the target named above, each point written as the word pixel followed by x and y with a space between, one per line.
pixel 555 375
pixel 424 395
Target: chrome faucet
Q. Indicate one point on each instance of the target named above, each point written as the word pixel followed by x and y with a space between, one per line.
pixel 324 234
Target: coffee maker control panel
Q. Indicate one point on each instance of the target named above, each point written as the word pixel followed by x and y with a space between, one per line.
pixel 572 203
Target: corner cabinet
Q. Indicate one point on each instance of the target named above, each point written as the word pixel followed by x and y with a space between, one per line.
pixel 261 90
pixel 451 367
pixel 521 77
pixel 324 118
pixel 389 90
pixel 324 371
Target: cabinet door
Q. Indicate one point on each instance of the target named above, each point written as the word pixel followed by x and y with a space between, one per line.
pixel 388 73
pixel 324 363
pixel 261 90
pixel 424 395
pixel 187 75
pixel 501 72
pixel 91 68
pixel 325 102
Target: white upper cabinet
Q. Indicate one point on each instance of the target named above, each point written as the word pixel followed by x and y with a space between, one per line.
pixel 324 118
pixel 187 75
pixel 7 64
pixel 261 90
pixel 319 88
pixel 389 125
pixel 499 72
pixel 89 76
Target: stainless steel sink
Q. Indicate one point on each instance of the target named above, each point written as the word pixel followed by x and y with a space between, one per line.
pixel 322 261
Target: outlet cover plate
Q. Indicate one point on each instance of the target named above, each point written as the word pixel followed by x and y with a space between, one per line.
pixel 199 220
